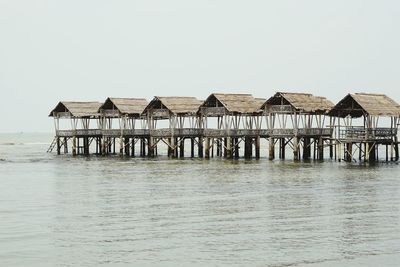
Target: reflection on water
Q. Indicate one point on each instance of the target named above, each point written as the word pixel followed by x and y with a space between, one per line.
pixel 60 210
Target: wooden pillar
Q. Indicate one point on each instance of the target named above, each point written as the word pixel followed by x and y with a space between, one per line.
pixel 200 146
pixel 65 145
pixel 366 153
pixel 86 145
pixel 271 148
pixel 396 149
pixel 212 147
pixel 296 148
pixel 330 148
pixel 133 147
pixel 219 147
pixel 236 147
pixel 229 147
pixel 121 145
pixel 392 151
pixel 126 146
pixel 349 152
pixel 175 147
pixel 150 146
pixel 306 148
pixel 257 141
pixel 225 144
pixel 282 148
pixel 182 148
pixel 192 147
pixel 372 153
pixel 78 146
pixel 207 148
pixel 339 152
pixel 169 153
pixel 102 146
pixel 58 146
pixel 114 145
pixel 320 148
pixel 74 146
pixel 141 147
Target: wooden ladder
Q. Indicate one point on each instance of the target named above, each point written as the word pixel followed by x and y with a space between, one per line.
pixel 52 145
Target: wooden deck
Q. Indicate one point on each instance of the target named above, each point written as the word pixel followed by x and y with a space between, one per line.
pixel 197 132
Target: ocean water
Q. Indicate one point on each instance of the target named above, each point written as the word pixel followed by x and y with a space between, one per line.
pixel 113 211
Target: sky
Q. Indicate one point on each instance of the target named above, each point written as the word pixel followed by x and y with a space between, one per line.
pixel 89 50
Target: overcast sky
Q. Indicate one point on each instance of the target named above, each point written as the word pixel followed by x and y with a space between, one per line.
pixel 89 50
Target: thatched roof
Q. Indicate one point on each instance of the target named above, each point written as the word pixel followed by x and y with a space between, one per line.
pixel 234 103
pixel 360 104
pixel 260 102
pixel 303 102
pixel 125 106
pixel 176 105
pixel 77 109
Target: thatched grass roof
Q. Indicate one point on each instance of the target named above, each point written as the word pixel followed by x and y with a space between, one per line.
pixel 177 105
pixel 77 109
pixel 125 106
pixel 360 104
pixel 260 102
pixel 234 103
pixel 303 102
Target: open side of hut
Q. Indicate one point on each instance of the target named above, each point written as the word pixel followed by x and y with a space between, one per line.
pixel 372 109
pixel 127 112
pixel 300 119
pixel 79 113
pixel 296 110
pixel 181 112
pixel 233 111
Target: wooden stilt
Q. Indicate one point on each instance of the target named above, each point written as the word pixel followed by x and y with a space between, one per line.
pixel 207 148
pixel 200 147
pixel 192 147
pixel 182 148
pixel 271 148
pixel 257 141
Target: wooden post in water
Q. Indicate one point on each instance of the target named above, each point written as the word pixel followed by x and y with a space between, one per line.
pixel 58 146
pixel 372 153
pixel 126 146
pixel 247 147
pixel 207 148
pixel 150 146
pixel 200 146
pixel 236 147
pixel 65 145
pixel 257 147
pixel 192 147
pixel 271 148
pixel 74 146
pixel 229 147
pixel 182 148
pixel 320 148
pixel 306 148
pixel 133 147
pixel 296 148
pixel 169 153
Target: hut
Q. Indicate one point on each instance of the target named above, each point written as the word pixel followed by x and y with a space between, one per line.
pixel 80 114
pixel 183 123
pixel 237 119
pixel 300 117
pixel 131 125
pixel 377 115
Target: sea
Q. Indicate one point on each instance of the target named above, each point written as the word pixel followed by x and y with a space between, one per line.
pixel 123 211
